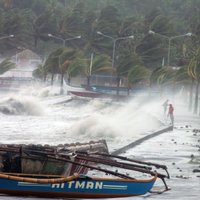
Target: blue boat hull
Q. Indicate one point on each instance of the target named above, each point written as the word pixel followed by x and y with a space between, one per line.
pixel 84 187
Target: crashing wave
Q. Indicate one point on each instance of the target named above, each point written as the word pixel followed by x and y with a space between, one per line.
pixel 19 106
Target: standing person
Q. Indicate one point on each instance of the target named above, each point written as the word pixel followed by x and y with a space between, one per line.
pixel 171 113
pixel 165 104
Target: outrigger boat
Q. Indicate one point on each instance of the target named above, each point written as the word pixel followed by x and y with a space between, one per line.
pixel 92 92
pixel 117 184
pixel 29 159
pixel 83 92
pixel 74 186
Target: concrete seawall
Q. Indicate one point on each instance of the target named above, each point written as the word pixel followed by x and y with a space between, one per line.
pixel 139 141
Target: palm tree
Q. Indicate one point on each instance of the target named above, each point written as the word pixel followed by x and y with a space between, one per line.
pixel 138 74
pixel 192 77
pixel 58 62
pixel 65 58
pixel 162 77
pixel 6 65
pixel 195 71
pixel 40 72
pixel 99 64
pixel 52 63
pixel 183 79
pixel 125 65
pixel 75 68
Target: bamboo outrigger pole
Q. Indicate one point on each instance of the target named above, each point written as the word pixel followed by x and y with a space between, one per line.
pixel 92 167
pixel 164 167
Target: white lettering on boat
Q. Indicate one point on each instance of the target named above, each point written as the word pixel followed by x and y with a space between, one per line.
pixel 90 185
pixel 98 185
pixel 80 185
pixel 70 184
pixel 58 185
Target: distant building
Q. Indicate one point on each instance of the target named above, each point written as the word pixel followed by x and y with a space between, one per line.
pixel 26 61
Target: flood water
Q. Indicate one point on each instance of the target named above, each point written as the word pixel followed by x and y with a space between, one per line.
pixel 39 116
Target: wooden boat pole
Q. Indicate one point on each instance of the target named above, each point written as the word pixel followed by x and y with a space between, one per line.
pixel 121 165
pixel 57 157
pixel 54 154
pixel 91 167
pixel 113 162
pixel 164 167
pixel 143 169
pixel 139 166
pixel 133 160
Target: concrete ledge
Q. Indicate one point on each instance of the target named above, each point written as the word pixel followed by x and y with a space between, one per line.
pixel 139 141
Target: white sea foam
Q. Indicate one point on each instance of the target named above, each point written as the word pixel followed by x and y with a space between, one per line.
pixel 20 105
pixel 114 121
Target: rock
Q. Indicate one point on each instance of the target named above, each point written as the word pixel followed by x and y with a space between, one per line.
pixel 196 171
pixel 183 177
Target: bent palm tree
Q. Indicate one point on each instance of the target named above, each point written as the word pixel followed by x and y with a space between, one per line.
pixel 138 74
pixel 40 72
pixel 182 79
pixel 51 64
pixel 58 62
pixel 100 64
pixel 6 65
pixel 126 64
pixel 66 57
pixel 162 77
pixel 194 70
pixel 75 68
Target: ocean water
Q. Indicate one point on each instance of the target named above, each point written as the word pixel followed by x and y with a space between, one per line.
pixel 40 116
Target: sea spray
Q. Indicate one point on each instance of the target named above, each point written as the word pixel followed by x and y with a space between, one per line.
pixel 39 91
pixel 20 105
pixel 115 122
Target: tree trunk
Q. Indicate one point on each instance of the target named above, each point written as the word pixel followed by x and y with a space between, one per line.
pixel 88 82
pixel 44 78
pixel 52 79
pixel 128 91
pixel 191 95
pixel 118 82
pixel 61 83
pixel 69 80
pixel 196 98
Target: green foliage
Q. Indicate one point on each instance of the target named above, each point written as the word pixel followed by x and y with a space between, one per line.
pixel 59 60
pixel 162 24
pixel 182 76
pixel 162 76
pixel 76 67
pixel 193 69
pixel 138 74
pixel 101 63
pixel 30 21
pixel 40 72
pixel 127 63
pixel 109 21
pixel 6 65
